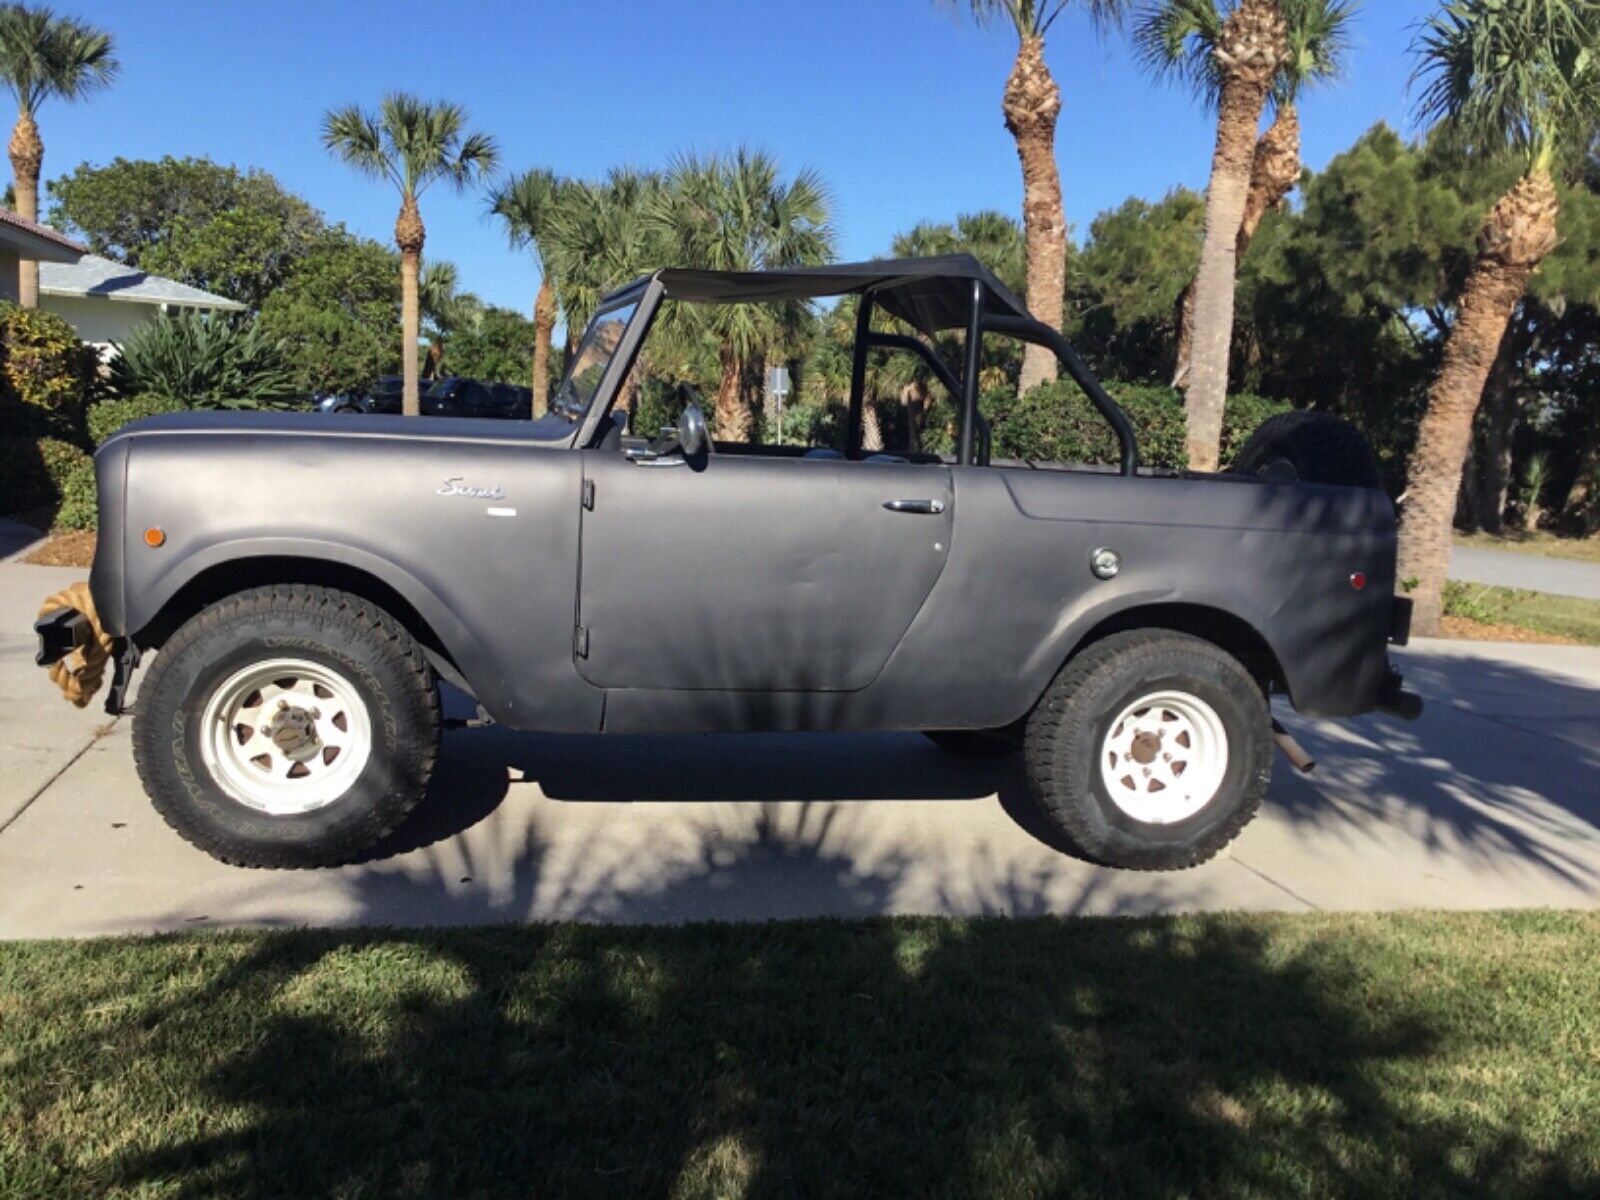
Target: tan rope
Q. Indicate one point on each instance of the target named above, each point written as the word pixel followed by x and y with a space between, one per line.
pixel 81 672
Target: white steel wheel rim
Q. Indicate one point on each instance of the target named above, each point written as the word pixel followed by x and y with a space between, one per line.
pixel 286 736
pixel 1164 757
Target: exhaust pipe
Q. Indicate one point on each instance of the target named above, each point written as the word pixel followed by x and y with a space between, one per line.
pixel 1293 750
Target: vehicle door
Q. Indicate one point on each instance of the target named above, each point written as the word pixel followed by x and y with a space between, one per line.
pixel 747 572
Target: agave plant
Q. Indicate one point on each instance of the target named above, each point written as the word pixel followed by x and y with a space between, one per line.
pixel 205 361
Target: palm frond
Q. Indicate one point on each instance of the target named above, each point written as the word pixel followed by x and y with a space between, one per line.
pixel 43 55
pixel 411 142
pixel 1033 18
pixel 1176 40
pixel 1523 74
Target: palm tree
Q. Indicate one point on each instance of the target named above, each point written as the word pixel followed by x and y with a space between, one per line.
pixel 1031 104
pixel 444 308
pixel 43 55
pixel 1498 76
pixel 1247 52
pixel 529 204
pixel 1178 39
pixel 734 213
pixel 412 143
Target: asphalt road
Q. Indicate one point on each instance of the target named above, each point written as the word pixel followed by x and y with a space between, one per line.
pixel 1491 800
pixel 1504 568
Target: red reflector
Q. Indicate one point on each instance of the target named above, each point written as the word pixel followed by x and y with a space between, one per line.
pixel 1358 580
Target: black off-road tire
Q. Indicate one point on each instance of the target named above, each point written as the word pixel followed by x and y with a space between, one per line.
pixel 1066 735
pixel 1309 447
pixel 976 743
pixel 345 633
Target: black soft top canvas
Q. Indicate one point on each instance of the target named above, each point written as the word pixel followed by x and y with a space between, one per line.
pixel 930 294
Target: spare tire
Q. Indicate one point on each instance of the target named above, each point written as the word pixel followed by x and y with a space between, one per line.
pixel 1309 447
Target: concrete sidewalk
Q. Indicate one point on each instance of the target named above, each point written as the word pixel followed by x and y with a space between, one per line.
pixel 1491 800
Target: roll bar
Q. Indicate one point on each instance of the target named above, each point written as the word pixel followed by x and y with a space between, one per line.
pixel 965 389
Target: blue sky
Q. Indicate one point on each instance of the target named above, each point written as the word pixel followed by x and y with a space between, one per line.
pixel 896 102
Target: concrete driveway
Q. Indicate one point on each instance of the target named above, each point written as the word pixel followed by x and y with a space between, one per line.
pixel 1491 800
pixel 1535 572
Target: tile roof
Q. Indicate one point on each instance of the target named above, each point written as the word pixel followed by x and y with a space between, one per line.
pixel 12 225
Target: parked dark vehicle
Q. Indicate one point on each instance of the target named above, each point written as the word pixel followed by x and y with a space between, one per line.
pixel 453 396
pixel 384 396
pixel 1124 628
pixel 448 396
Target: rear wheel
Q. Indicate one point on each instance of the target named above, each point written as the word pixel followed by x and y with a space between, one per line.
pixel 287 726
pixel 1309 447
pixel 1150 751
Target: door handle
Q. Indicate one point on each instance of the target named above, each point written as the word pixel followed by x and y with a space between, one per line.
pixel 924 507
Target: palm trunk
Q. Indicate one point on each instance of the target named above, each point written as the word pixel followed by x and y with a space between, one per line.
pixel 1250 50
pixel 409 236
pixel 544 323
pixel 1501 408
pixel 27 157
pixel 732 415
pixel 871 427
pixel 1032 104
pixel 1519 233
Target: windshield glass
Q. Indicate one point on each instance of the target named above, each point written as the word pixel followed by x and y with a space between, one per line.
pixel 594 355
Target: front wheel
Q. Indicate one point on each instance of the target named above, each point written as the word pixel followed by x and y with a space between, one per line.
pixel 1150 751
pixel 287 726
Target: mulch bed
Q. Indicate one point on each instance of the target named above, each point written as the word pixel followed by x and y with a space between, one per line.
pixel 1479 631
pixel 74 548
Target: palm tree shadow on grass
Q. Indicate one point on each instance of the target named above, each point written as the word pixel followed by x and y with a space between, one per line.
pixel 877 1058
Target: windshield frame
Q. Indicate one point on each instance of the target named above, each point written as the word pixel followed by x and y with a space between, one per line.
pixel 646 295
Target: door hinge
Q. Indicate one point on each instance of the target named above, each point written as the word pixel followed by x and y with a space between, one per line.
pixel 588 494
pixel 580 642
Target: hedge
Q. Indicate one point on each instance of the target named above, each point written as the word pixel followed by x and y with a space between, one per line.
pixel 1056 422
pixel 80 504
pixel 34 471
pixel 109 416
pixel 47 376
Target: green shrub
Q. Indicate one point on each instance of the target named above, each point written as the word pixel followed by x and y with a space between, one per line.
pixel 205 362
pixel 79 501
pixel 33 471
pixel 1241 418
pixel 109 416
pixel 1056 422
pixel 47 376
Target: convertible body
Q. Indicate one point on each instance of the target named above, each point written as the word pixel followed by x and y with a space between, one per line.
pixel 572 582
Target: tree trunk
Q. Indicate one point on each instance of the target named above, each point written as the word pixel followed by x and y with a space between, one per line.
pixel 732 415
pixel 871 427
pixel 544 323
pixel 1249 51
pixel 27 156
pixel 409 236
pixel 1501 406
pixel 1274 173
pixel 1032 104
pixel 1519 232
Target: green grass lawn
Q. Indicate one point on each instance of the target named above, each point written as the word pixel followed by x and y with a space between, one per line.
pixel 1547 544
pixel 1564 616
pixel 1409 1056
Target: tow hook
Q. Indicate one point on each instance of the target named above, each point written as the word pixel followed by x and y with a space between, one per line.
pixel 1292 750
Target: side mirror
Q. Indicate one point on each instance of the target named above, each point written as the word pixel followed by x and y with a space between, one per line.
pixel 693 435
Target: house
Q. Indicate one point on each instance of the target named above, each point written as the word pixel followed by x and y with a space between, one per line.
pixel 101 299
pixel 22 239
pixel 105 301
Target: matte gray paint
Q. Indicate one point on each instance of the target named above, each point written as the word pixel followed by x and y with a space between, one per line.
pixel 757 593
